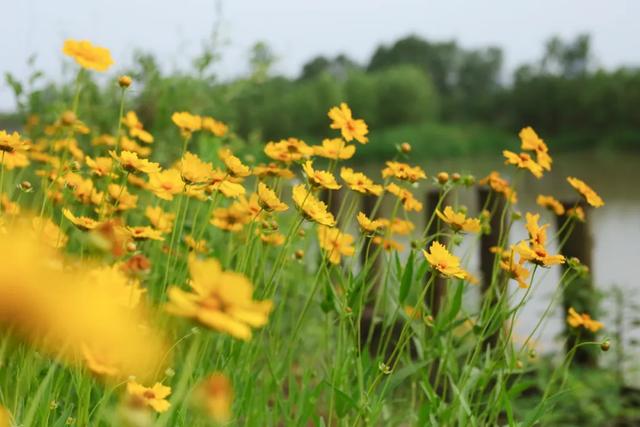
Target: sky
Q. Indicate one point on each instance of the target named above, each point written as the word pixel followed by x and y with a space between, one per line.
pixel 298 30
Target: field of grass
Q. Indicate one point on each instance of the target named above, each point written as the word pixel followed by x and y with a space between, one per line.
pixel 215 289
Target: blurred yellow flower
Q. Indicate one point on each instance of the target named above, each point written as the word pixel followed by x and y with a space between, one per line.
pixel 100 166
pixel 367 225
pixel 145 233
pixel 407 198
pixel 349 127
pixel 121 198
pixel 199 246
pixel 359 182
pixel 130 162
pixel 82 222
pixel 136 129
pixel 194 170
pixel 587 192
pixel 576 320
pixel 235 167
pixel 214 126
pixel 532 142
pixel 87 55
pixel 166 184
pixel 10 143
pixel 161 220
pixel 500 185
pixel 273 170
pixel 154 397
pixel 335 149
pixel 523 161
pixel 219 299
pixel 403 171
pixel 187 122
pixel 215 396
pixel 335 243
pixel 550 203
pixel 288 150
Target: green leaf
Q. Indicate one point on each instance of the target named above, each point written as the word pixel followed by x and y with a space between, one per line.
pixel 456 303
pixel 407 279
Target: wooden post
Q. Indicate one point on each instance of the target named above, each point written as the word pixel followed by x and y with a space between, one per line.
pixel 489 199
pixel 580 293
pixel 435 295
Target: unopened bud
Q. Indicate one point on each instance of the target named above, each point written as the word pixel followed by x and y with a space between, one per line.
pixel 299 254
pixel 68 118
pixel 124 81
pixel 443 177
pixel 25 186
pixel 131 246
pixel 455 177
pixel 405 147
pixel 605 346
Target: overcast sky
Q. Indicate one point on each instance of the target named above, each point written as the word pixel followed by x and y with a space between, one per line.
pixel 297 30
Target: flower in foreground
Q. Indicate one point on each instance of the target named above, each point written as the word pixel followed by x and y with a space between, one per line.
pixel 166 184
pixel 443 261
pixel 335 243
pixel 10 143
pixel 367 225
pixel 87 55
pixel 587 192
pixel 288 150
pixel 194 170
pixel 235 167
pixel 349 127
pixel 335 149
pixel 155 396
pixel 458 220
pixel 576 320
pixel 221 300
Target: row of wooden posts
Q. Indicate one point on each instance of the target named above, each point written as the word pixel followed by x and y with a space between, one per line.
pixel 580 294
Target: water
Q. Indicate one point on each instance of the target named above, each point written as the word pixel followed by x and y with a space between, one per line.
pixel 615 229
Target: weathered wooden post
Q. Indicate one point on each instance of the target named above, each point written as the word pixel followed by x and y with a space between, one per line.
pixel 580 294
pixel 435 295
pixel 490 293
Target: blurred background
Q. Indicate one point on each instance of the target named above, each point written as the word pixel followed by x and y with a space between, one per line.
pixel 456 79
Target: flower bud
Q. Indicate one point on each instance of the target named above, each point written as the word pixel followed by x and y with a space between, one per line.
pixel 299 254
pixel 443 177
pixel 455 177
pixel 605 346
pixel 124 81
pixel 469 180
pixel 131 246
pixel 405 147
pixel 25 186
pixel 68 118
pixel 301 232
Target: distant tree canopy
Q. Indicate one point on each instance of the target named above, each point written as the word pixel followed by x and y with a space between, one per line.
pixel 408 83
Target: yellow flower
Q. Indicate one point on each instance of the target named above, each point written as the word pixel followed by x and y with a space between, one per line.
pixel 145 233
pixel 273 239
pixel 388 244
pixel 166 184
pixel 312 208
pixel 550 203
pixel 319 178
pixel 532 142
pixel 128 144
pixel 121 198
pixel 125 291
pixel 155 396
pixel 82 222
pixel 10 143
pixel 335 149
pixel 538 254
pixel 212 125
pixel 359 182
pixel 199 246
pixel 187 122
pixel 99 365
pixel 443 261
pixel 9 207
pixel 101 166
pixel 5 417
pixel 87 55
pixel 409 202
pixel 403 171
pixel 219 299
pixel 367 225
pixel 220 182
pixel 161 220
pixel 49 232
pixel 577 213
pixel 104 139
pixel 268 199
pixel 234 166
pixel 130 162
pixel 523 161
pixel 13 160
pixel 233 218
pixel 335 243
pixel 273 170
pixel 587 192
pixel 288 150
pixel 458 220
pixel 500 185
pixel 136 129
pixel 577 320
pixel 349 127
pixel 515 270
pixel 194 170
pixel 215 396
pixel 399 226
